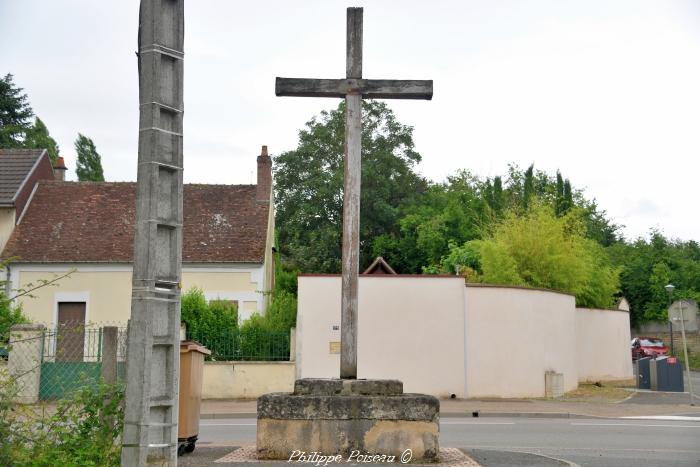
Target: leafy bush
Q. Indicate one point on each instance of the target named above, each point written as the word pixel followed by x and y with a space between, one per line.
pixel 9 316
pixel 539 249
pixel 202 317
pixel 83 430
pixel 213 324
pixel 260 341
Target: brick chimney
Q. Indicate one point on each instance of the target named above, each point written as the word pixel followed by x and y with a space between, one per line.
pixel 264 177
pixel 59 169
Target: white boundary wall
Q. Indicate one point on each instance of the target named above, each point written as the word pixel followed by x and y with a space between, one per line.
pixel 409 328
pixel 246 380
pixel 514 336
pixel 442 338
pixel 603 344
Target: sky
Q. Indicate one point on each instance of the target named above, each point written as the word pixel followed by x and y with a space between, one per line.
pixel 607 91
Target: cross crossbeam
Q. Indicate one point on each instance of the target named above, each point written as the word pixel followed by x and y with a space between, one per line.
pixel 368 88
pixel 353 88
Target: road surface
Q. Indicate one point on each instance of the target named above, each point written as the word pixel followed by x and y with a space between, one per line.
pixel 587 442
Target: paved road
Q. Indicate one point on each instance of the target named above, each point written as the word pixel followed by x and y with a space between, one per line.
pixel 588 442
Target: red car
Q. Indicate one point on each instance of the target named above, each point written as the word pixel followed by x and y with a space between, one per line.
pixel 648 347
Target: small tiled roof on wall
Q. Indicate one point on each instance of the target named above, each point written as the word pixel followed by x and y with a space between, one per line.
pixel 94 222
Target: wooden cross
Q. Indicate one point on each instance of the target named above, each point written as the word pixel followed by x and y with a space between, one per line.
pixel 353 88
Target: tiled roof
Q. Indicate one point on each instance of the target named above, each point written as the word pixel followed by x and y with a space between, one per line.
pixel 15 166
pixel 94 222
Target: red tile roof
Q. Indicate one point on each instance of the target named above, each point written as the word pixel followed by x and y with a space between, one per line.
pixel 70 222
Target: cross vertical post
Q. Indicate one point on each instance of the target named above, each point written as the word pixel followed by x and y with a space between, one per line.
pixel 353 89
pixel 351 200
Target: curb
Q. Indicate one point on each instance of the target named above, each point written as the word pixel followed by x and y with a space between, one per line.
pixel 478 413
pixel 475 414
pixel 470 452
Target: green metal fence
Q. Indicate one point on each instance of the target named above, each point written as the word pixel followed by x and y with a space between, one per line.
pixel 72 358
pixel 246 345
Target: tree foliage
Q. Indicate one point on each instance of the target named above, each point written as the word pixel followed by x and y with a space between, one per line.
pixel 16 128
pixel 202 317
pixel 15 114
pixel 468 224
pixel 38 137
pixel 89 164
pixel 649 265
pixel 309 186
pixel 539 249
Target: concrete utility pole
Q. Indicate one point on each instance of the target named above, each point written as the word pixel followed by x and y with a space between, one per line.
pixel 153 353
pixel 353 88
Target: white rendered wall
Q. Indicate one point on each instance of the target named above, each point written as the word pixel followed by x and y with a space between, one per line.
pixel 514 336
pixel 603 344
pixel 410 328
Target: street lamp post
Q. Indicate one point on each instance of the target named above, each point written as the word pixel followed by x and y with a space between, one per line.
pixel 669 289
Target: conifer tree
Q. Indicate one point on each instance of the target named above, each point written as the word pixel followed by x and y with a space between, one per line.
pixel 38 137
pixel 89 165
pixel 15 114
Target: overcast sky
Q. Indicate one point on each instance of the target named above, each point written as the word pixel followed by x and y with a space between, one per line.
pixel 606 91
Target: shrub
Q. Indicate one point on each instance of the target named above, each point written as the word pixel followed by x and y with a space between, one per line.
pixel 9 316
pixel 539 249
pixel 83 430
pixel 259 341
pixel 202 317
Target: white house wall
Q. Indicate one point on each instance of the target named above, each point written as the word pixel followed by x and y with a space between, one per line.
pixel 108 287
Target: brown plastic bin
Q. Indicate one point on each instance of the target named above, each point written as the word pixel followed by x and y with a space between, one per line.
pixel 191 375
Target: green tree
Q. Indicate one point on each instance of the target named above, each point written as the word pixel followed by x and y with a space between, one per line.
pixel 528 186
pixel 648 265
pixel 89 165
pixel 15 114
pixel 309 181
pixel 38 137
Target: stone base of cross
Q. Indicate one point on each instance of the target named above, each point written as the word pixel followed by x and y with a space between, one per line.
pixel 353 88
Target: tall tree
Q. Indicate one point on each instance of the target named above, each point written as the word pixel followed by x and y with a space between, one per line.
pixel 89 165
pixel 15 114
pixel 497 194
pixel 38 137
pixel 559 203
pixel 528 186
pixel 309 186
pixel 568 200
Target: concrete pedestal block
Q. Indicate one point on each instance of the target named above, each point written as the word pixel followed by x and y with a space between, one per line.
pixel 341 417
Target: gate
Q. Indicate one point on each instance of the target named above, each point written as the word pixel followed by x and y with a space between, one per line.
pixel 71 359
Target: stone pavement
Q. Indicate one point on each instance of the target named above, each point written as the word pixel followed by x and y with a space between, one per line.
pixel 639 404
pixel 233 456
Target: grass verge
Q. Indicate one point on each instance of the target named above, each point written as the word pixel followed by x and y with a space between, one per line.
pixel 600 391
